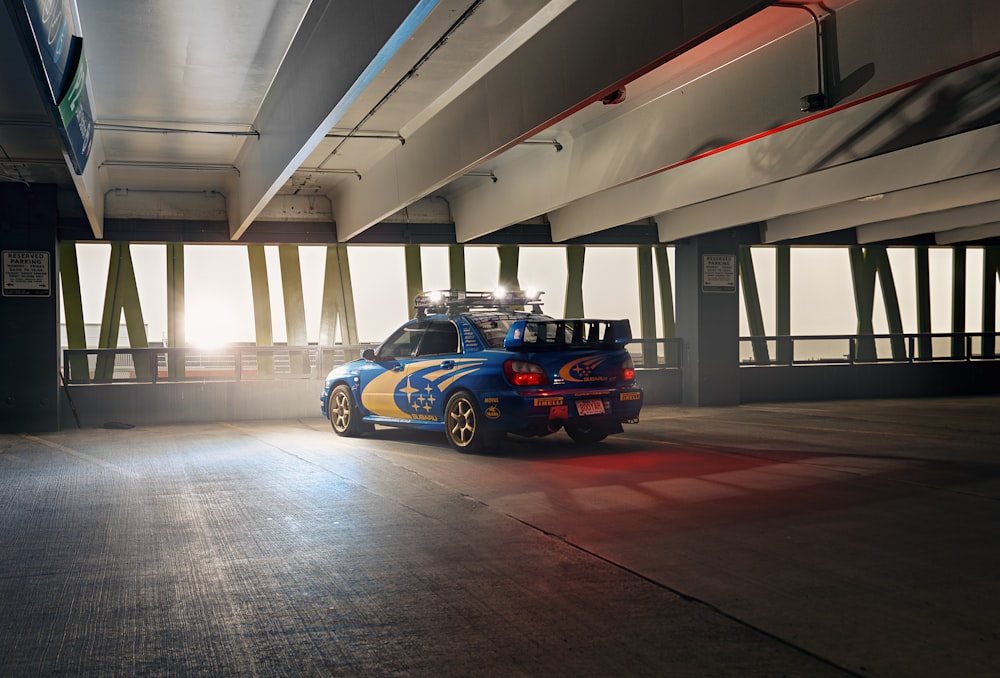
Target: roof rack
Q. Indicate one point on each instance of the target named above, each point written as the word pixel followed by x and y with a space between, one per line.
pixel 456 301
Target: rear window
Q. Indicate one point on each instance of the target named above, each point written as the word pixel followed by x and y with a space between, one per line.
pixel 494 326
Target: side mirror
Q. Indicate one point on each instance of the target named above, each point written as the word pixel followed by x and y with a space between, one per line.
pixel 368 354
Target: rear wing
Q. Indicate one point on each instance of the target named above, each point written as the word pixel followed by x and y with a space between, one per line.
pixel 563 335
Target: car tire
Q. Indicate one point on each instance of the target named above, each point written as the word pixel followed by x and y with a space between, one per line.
pixel 585 433
pixel 463 423
pixel 344 415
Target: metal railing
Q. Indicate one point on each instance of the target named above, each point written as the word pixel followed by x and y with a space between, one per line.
pixel 256 363
pixel 653 353
pixel 232 363
pixel 869 348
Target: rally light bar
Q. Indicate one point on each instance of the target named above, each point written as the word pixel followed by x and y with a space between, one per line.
pixel 581 333
pixel 456 301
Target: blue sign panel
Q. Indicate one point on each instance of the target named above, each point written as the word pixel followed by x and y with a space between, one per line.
pixel 53 23
pixel 75 117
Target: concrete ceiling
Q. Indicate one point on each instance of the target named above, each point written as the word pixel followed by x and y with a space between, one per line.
pixel 483 121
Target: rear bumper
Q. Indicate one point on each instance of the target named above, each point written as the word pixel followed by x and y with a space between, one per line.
pixel 545 411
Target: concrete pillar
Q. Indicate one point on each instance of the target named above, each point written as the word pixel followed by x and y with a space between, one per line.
pixel 29 309
pixel 708 318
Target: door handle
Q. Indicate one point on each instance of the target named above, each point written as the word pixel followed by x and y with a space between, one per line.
pixel 398 367
pixel 447 364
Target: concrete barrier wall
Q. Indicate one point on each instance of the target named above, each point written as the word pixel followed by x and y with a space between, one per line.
pixel 884 380
pixel 168 403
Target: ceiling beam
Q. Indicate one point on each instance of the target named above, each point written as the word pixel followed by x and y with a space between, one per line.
pixel 931 222
pixel 667 115
pixel 689 195
pixel 969 234
pixel 339 50
pixel 942 194
pixel 557 71
pixel 968 153
pixel 971 153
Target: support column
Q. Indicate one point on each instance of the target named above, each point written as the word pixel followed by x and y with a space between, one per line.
pixel 263 328
pixel 890 300
pixel 176 335
pixel 29 310
pixel 666 292
pixel 755 316
pixel 863 277
pixel 958 273
pixel 456 267
pixel 671 353
pixel 783 304
pixel 338 299
pixel 708 318
pixel 121 296
pixel 414 276
pixel 509 255
pixel 295 307
pixel 991 267
pixel 925 350
pixel 575 258
pixel 865 264
pixel 647 305
pixel 72 296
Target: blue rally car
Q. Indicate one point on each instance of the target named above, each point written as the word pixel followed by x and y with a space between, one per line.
pixel 476 366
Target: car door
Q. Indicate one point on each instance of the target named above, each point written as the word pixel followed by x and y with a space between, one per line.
pixel 383 379
pixel 403 382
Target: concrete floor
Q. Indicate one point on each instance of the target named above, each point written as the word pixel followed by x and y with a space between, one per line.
pixel 847 538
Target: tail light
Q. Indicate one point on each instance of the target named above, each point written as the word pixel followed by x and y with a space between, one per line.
pixel 523 373
pixel 628 370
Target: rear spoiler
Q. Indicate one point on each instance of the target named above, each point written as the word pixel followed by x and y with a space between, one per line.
pixel 577 334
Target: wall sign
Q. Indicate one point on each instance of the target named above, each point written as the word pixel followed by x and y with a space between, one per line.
pixel 718 273
pixel 26 274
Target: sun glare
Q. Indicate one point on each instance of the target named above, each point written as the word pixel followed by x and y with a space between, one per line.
pixel 209 325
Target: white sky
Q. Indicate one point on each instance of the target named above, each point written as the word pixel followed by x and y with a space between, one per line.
pixel 219 308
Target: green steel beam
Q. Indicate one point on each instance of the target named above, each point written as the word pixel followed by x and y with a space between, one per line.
pixel 925 348
pixel 958 285
pixel 755 316
pixel 263 329
pixel 295 307
pixel 866 263
pixel 338 300
pixel 647 303
pixel 456 267
pixel 667 317
pixel 509 255
pixel 291 292
pixel 991 267
pixel 176 336
pixel 575 258
pixel 863 277
pixel 414 276
pixel 76 334
pixel 783 303
pixel 121 295
pixel 890 300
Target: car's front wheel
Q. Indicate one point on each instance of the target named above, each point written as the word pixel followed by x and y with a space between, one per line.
pixel 463 423
pixel 585 432
pixel 344 416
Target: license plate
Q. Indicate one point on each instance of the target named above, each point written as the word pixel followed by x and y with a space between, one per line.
pixel 588 407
